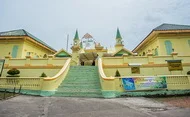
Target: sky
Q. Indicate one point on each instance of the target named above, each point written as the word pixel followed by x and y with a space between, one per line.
pixel 52 20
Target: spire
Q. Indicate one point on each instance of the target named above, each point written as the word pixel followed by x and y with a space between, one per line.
pixel 76 35
pixel 118 35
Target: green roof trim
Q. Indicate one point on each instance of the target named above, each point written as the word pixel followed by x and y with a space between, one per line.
pixel 62 54
pixel 76 35
pixel 22 32
pixel 118 35
pixel 120 53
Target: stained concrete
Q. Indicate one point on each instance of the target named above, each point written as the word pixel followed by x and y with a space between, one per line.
pixel 31 106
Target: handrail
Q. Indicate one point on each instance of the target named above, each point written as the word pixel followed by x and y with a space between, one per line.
pixel 101 72
pixel 63 69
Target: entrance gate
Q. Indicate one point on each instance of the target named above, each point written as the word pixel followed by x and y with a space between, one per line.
pixel 88 59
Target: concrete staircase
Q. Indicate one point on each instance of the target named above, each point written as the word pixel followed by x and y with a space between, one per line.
pixel 81 81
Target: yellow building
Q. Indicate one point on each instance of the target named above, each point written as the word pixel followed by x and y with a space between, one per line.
pixel 165 39
pixel 20 43
pixel 162 67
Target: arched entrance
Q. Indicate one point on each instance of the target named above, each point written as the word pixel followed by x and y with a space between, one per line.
pixel 88 59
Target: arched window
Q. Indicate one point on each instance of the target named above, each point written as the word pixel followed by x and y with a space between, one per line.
pixel 168 46
pixel 14 51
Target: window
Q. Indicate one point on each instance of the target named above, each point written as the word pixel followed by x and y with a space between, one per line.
pixel 14 51
pixel 168 46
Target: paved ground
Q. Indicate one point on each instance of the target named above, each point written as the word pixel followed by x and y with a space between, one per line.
pixel 30 106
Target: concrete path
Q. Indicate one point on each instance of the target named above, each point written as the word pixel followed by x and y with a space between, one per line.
pixel 31 106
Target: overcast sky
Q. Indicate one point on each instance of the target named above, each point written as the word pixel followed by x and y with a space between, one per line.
pixel 52 20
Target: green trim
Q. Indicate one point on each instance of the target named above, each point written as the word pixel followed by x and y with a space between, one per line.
pixel 118 35
pixel 154 93
pixel 110 94
pixel 62 54
pixel 47 93
pixel 76 35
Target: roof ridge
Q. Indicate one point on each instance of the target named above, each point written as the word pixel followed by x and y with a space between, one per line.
pixel 12 30
pixel 24 31
pixel 167 26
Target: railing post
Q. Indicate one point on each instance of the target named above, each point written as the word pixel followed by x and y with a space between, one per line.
pixel 50 60
pixel 7 58
pixel 27 63
pixel 174 55
pixel 125 59
pixel 14 91
pixel 4 96
pixel 20 89
pixel 150 58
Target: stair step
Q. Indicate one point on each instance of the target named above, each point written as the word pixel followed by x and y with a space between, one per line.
pixel 81 81
pixel 79 85
pixel 77 90
pixel 78 95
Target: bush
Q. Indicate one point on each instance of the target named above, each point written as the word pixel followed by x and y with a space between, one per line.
pixel 43 75
pixel 117 74
pixel 188 73
pixel 13 71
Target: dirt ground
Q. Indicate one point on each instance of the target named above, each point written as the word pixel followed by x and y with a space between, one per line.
pixel 178 101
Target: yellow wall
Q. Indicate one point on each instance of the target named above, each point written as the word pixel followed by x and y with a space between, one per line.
pixel 30 72
pixel 7 46
pixel 34 49
pixel 149 65
pixel 179 44
pixel 30 67
pixel 25 45
pixel 150 47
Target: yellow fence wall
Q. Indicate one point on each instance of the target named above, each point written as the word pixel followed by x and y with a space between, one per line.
pixel 40 84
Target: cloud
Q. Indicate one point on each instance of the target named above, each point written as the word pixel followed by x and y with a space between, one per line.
pixel 53 20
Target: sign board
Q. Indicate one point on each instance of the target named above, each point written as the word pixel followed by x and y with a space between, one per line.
pixel 88 43
pixel 1 66
pixel 144 83
pixel 174 65
pixel 135 70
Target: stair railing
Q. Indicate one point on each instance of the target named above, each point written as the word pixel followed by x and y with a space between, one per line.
pixel 51 83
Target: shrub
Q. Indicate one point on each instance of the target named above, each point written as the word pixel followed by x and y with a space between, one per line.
pixel 43 75
pixel 117 74
pixel 188 73
pixel 13 71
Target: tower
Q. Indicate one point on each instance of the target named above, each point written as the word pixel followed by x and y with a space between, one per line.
pixel 119 43
pixel 75 49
